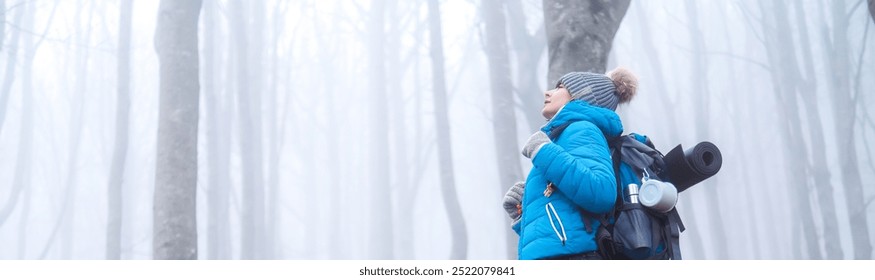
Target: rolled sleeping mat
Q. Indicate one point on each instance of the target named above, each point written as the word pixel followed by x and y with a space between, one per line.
pixel 687 168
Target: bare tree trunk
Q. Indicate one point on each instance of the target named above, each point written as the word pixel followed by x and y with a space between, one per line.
pixel 844 112
pixel 580 34
pixel 114 192
pixel 872 9
pixel 755 246
pixel 2 26
pixel 398 112
pixel 700 101
pixel 749 187
pixel 249 108
pixel 21 182
pixel 503 109
pixel 528 49
pixel 334 248
pixel 408 179
pixel 773 248
pixel 23 169
pixel 176 42
pixel 308 153
pixel 671 128
pixel 380 237
pixel 25 215
pixel 262 240
pixel 218 144
pixel 785 76
pixel 9 73
pixel 66 206
pixel 12 55
pixel 671 123
pixel 83 38
pixel 275 136
pixel 459 249
pixel 819 169
pixel 327 54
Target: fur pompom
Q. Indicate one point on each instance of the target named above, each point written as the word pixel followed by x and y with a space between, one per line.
pixel 625 82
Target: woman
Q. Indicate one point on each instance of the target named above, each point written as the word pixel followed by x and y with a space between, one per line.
pixel 571 172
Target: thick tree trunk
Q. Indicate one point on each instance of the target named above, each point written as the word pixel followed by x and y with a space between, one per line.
pixel 580 34
pixel 844 113
pixel 503 110
pixel 380 238
pixel 114 192
pixel 176 42
pixel 818 165
pixel 459 248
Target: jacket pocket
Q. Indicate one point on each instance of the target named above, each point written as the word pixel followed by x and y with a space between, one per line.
pixel 560 231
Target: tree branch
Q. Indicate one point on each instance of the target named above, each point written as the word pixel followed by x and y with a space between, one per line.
pixel 727 54
pixel 867 120
pixel 749 16
pixel 855 8
pixel 52 19
pixel 860 64
pixel 675 18
pixel 868 201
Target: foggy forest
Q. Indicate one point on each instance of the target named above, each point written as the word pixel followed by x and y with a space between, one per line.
pixel 391 130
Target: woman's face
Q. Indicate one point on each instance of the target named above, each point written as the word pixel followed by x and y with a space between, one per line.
pixel 554 100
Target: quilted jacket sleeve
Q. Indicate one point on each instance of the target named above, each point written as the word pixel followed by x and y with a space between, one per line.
pixel 579 164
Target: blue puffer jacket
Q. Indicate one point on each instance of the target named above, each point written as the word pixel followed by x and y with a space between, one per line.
pixel 578 163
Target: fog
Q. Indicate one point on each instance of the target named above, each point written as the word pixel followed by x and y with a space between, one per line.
pixel 373 129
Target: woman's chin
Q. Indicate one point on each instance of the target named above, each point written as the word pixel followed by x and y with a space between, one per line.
pixel 546 114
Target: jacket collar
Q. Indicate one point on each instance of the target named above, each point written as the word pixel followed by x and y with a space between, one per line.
pixel 577 110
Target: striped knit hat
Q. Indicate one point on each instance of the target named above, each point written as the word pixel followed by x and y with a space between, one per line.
pixel 601 90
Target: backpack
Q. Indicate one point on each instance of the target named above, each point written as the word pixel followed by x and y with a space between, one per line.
pixel 630 230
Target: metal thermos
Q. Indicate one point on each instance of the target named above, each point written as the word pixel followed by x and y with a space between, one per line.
pixel 633 193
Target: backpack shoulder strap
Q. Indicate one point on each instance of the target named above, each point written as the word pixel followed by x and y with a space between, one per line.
pixel 673 233
pixel 615 144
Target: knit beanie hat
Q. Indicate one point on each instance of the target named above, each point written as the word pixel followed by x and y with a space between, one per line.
pixel 606 91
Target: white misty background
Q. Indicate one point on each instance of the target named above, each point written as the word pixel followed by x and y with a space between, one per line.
pixel 321 133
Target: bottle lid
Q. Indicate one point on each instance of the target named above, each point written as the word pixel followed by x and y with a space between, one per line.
pixel 650 194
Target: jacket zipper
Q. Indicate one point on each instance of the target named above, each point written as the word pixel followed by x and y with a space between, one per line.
pixel 549 208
